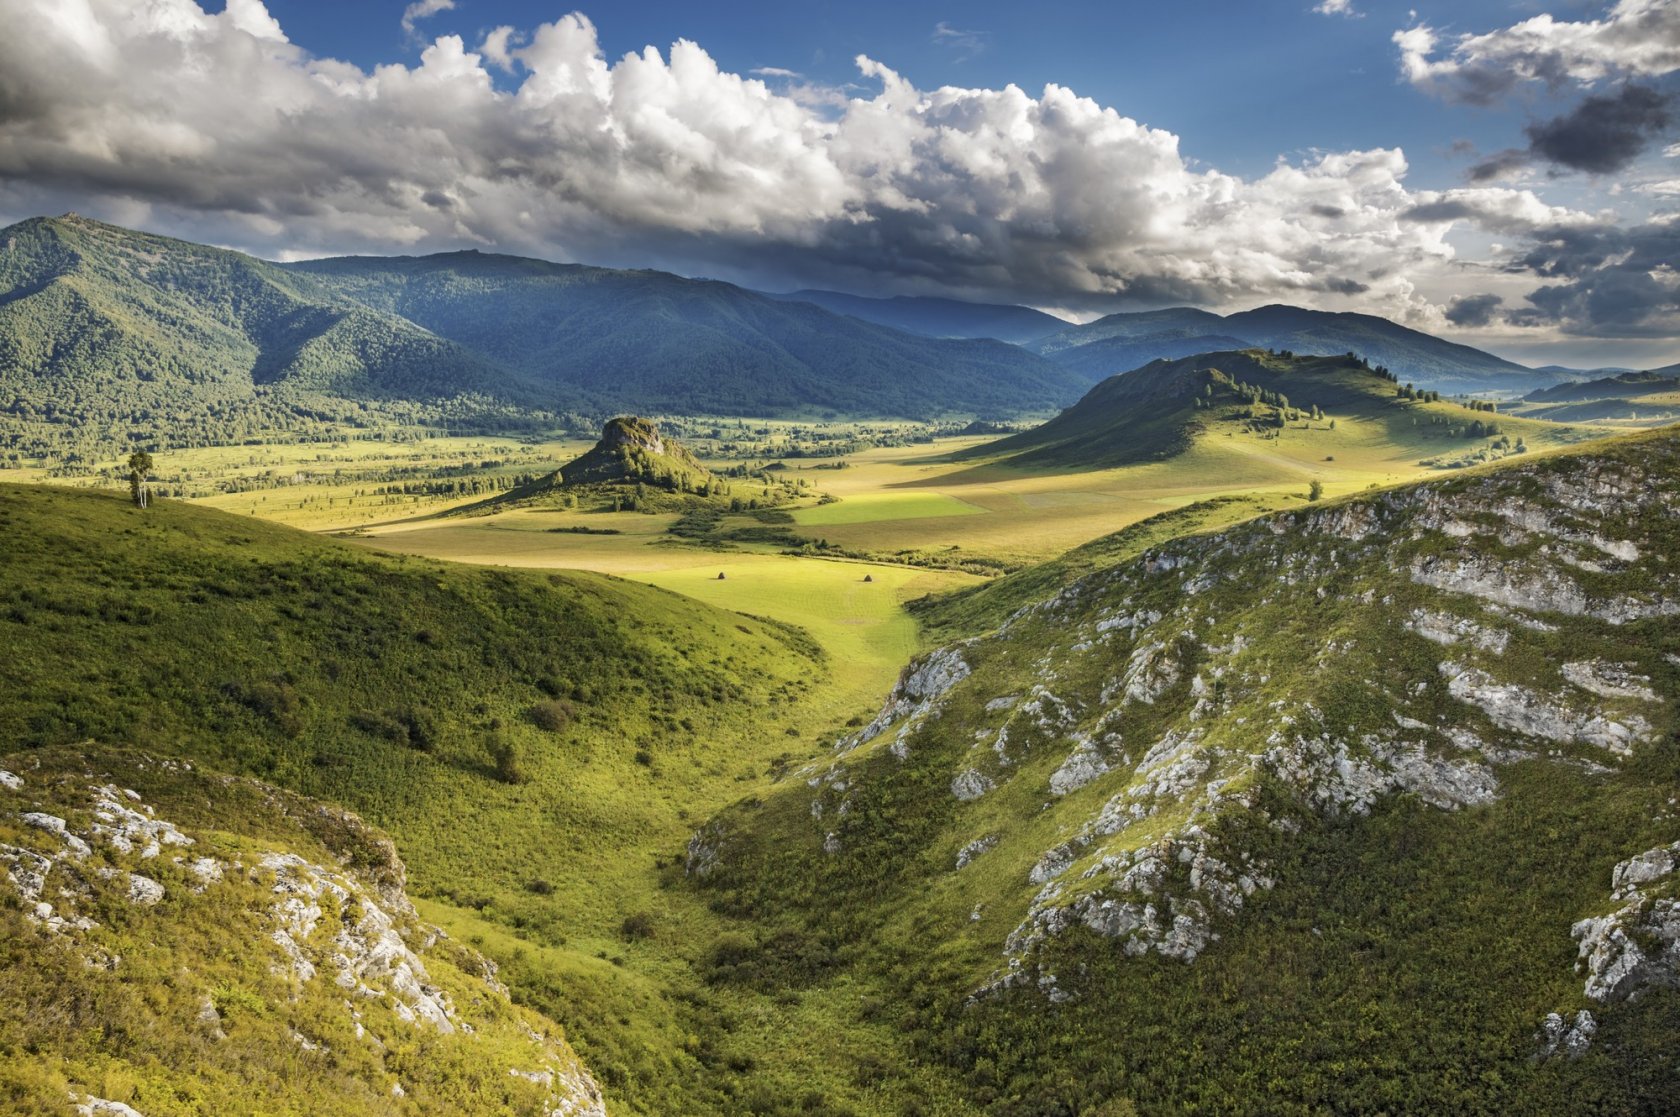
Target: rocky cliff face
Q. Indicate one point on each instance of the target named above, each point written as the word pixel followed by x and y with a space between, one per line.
pixel 276 932
pixel 1107 750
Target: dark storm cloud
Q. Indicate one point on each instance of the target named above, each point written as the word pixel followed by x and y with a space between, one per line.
pixel 1608 281
pixel 1603 133
pixel 1473 310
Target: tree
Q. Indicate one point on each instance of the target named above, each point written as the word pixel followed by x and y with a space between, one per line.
pixel 139 468
pixel 1315 491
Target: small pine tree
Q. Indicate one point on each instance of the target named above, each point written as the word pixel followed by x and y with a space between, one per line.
pixel 1315 491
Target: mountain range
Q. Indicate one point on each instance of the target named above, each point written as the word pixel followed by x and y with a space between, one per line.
pixel 937 317
pixel 1125 341
pixel 110 337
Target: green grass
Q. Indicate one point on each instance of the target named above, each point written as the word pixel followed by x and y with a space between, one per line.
pixel 384 682
pixel 885 507
pixel 134 1031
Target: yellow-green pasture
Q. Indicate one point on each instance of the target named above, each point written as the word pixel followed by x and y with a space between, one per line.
pixel 861 624
pixel 886 506
pixel 1029 515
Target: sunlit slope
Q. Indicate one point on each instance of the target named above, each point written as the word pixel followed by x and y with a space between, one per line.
pixel 1272 401
pixel 1329 811
pixel 177 942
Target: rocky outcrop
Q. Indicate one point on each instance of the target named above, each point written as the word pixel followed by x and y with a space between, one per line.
pixel 1185 682
pixel 1636 945
pixel 79 851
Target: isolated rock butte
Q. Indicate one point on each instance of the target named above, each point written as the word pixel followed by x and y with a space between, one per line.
pixel 631 449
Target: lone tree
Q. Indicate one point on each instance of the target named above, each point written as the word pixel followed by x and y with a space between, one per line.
pixel 1315 491
pixel 139 468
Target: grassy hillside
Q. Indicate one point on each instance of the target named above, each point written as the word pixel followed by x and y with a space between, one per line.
pixel 1163 409
pixel 539 746
pixel 1302 815
pixel 647 341
pixel 186 941
pixel 632 468
pixel 1630 397
pixel 110 337
pixel 1124 341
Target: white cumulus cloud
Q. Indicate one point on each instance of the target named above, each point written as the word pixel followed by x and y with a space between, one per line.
pixel 214 126
pixel 419 10
pixel 1638 38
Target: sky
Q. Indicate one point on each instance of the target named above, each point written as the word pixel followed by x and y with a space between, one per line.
pixel 1505 173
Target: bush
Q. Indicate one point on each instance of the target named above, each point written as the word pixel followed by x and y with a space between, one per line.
pixel 553 716
pixel 636 927
pixel 506 759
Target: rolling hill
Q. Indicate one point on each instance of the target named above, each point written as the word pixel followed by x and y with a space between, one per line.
pixel 935 317
pixel 1362 807
pixel 110 337
pixel 178 941
pixel 649 342
pixel 1628 397
pixel 533 743
pixel 1127 340
pixel 1159 411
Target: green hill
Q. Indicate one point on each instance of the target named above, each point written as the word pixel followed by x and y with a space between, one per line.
pixel 534 742
pixel 1626 397
pixel 1160 410
pixel 1124 341
pixel 647 341
pixel 110 337
pixel 1365 807
pixel 181 942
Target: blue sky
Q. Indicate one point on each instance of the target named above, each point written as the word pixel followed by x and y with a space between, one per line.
pixel 1499 171
pixel 1240 82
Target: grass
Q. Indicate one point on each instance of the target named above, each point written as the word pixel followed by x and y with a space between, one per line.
pixel 885 507
pixel 805 982
pixel 381 682
pixel 137 1033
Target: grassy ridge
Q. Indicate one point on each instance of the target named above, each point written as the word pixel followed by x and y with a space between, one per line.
pixel 1162 410
pixel 1406 955
pixel 188 1007
pixel 387 684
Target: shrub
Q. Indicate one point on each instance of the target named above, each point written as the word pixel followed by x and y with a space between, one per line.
pixel 636 927
pixel 506 759
pixel 553 715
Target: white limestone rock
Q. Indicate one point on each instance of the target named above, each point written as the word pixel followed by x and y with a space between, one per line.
pixel 1609 680
pixel 143 890
pixel 970 784
pixel 1082 766
pixel 967 854
pixel 1569 1038
pixel 1524 711
pixel 1637 945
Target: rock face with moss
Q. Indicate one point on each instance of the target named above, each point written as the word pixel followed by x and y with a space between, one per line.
pixel 214 939
pixel 1167 763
